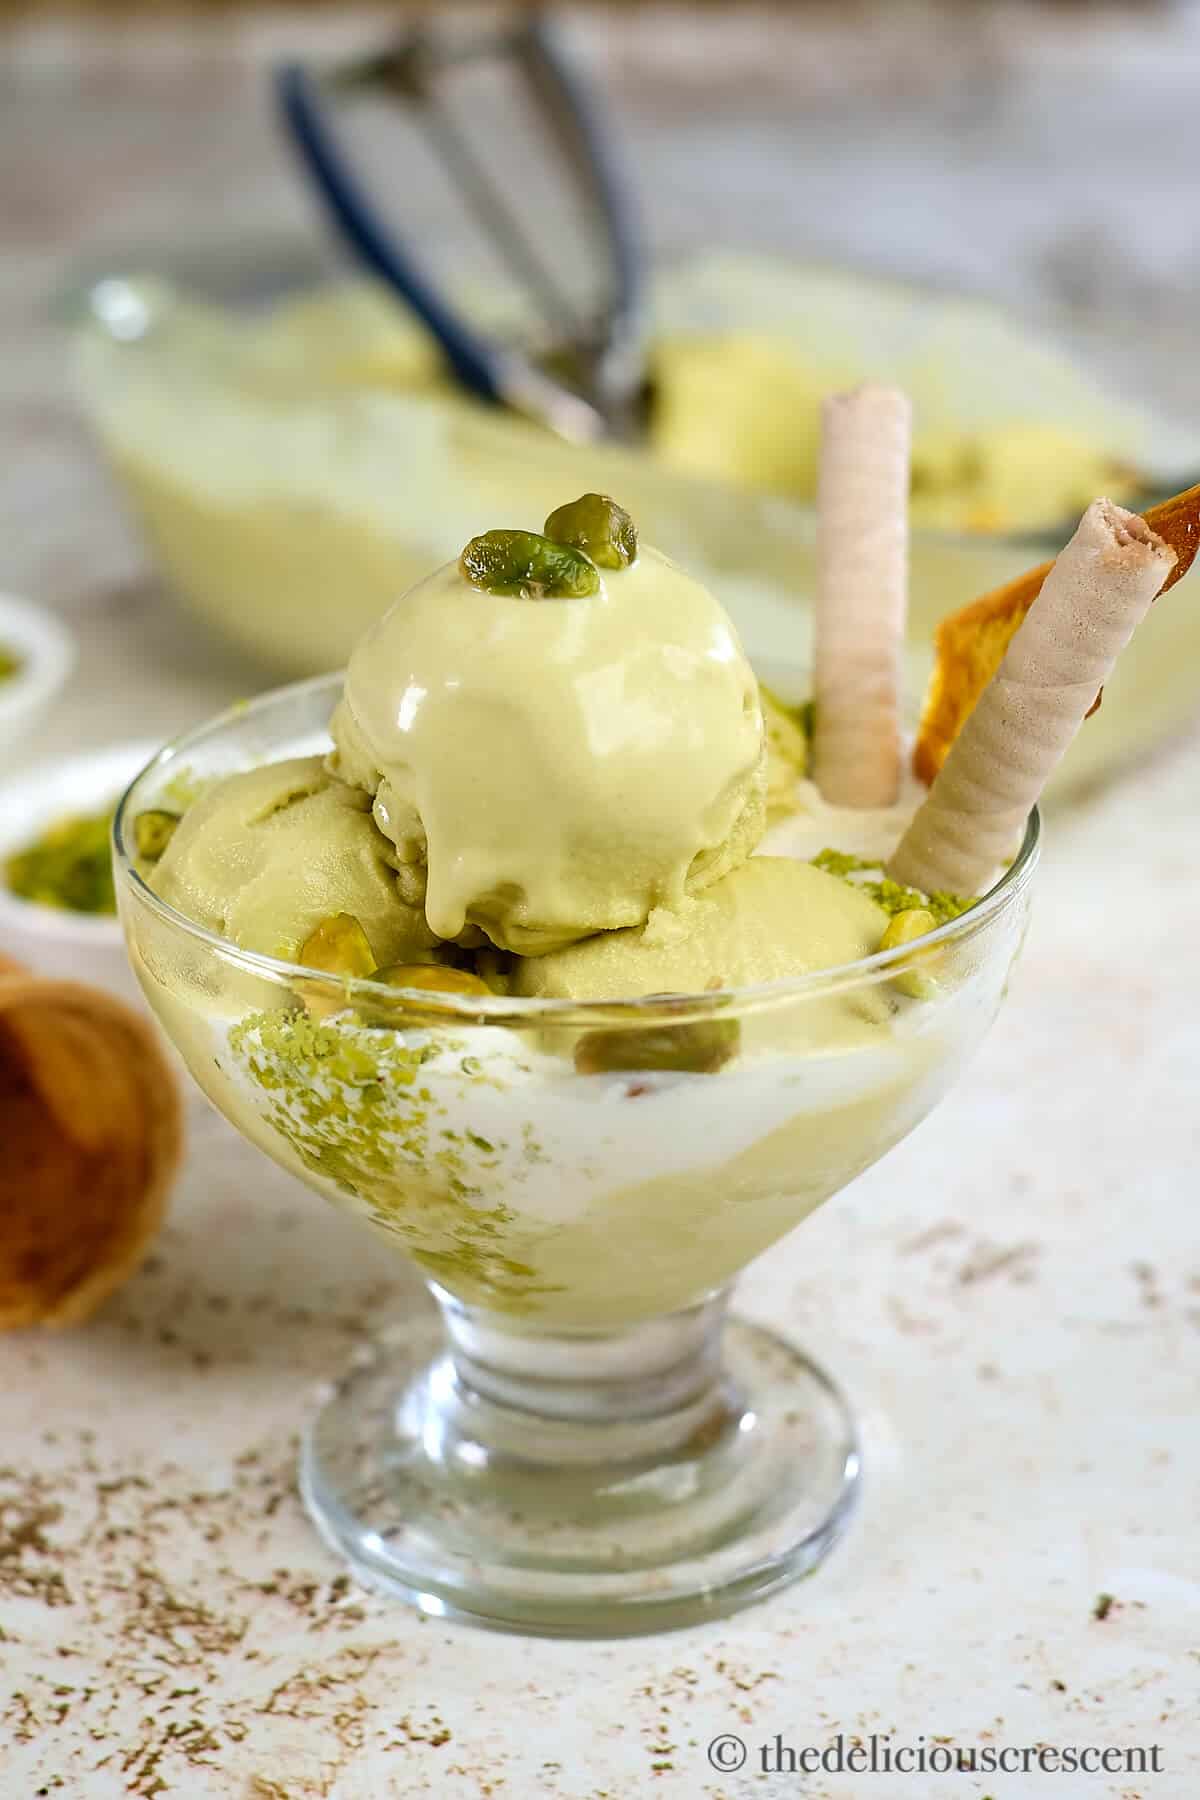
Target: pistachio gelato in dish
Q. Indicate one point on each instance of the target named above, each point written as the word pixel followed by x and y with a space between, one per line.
pixel 556 784
pixel 590 991
pixel 580 1131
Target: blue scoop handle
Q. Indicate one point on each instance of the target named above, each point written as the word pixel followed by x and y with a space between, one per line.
pixel 472 359
pixel 480 365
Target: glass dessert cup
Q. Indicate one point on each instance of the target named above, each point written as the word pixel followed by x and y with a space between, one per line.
pixel 582 1443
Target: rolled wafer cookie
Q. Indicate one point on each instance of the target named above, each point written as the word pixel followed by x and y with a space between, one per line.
pixel 971 642
pixel 862 594
pixel 1098 591
pixel 91 1130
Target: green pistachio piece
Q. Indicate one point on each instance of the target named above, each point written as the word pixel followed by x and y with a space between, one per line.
pixel 599 526
pixel 339 946
pixel 152 832
pixel 905 928
pixel 694 1046
pixel 433 978
pixel 528 567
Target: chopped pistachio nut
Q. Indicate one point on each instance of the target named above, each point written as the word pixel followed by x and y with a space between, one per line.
pixel 694 1046
pixel 842 863
pixel 338 946
pixel 528 567
pixel 598 526
pixel 69 866
pixel 891 895
pixel 905 928
pixel 434 978
pixel 152 832
pixel 10 663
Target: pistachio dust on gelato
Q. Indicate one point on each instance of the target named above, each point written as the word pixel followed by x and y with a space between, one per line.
pixel 555 776
pixel 553 766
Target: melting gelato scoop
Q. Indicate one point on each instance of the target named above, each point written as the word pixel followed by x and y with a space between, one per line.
pixel 767 920
pixel 555 749
pixel 264 857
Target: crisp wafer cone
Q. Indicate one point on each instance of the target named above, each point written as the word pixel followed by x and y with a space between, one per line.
pixel 91 1130
pixel 862 591
pixel 1098 591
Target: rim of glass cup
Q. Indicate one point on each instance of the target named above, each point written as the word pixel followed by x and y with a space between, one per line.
pixel 503 1009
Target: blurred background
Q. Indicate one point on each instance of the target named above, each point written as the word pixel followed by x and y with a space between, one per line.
pixel 226 446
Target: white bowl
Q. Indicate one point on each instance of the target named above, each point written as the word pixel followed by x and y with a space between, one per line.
pixel 47 654
pixel 74 946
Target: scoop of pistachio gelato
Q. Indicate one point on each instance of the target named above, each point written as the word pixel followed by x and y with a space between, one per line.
pixel 264 857
pixel 552 763
pixel 769 919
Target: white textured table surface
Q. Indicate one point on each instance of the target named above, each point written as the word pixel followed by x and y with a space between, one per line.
pixel 1012 1300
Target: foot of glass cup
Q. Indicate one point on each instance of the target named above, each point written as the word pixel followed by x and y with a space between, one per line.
pixel 582 1484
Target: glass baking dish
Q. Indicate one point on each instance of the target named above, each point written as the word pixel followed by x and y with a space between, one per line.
pixel 290 484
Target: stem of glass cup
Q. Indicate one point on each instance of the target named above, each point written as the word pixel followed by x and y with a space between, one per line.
pixel 649 1378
